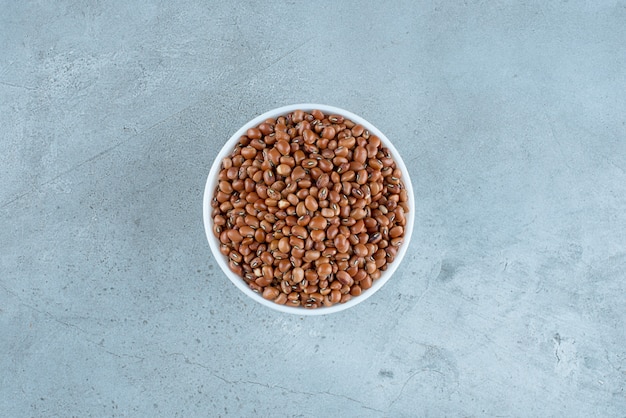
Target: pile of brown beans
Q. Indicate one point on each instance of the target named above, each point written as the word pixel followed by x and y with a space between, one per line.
pixel 309 209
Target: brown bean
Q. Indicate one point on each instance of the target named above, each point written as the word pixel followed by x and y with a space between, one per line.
pixel 359 275
pixel 298 115
pixel 358 227
pixel 267 258
pixel 222 197
pixel 360 250
pixel 254 133
pixel 256 262
pixel 268 177
pixel 347 173
pixel 336 118
pixel 279 255
pixel 366 283
pixel 346 188
pixel 284 265
pixel 283 204
pixel 381 262
pixel 309 136
pixel 332 232
pixel 304 220
pixel 234 235
pixel 311 255
pixel 309 290
pixel 355 290
pixel 344 278
pixel 358 214
pixel 255 287
pixel 335 296
pixel 396 231
pixel 309 163
pixel 225 187
pixel 335 285
pixel 347 142
pixel 371 150
pixel 370 267
pixel 360 154
pixel 357 130
pixel 353 239
pixel 318 222
pixel 297 275
pixel 380 254
pixel 283 170
pixel 318 235
pixel 270 293
pixel 248 153
pixel 341 243
pixel 246 231
pixel 309 199
pixel 324 269
pixel 273 155
pixel 296 243
pixel 328 132
pixel 293 201
pixel 281 299
pixel 301 209
pixel 299 231
pixel 266 128
pixel 323 180
pixel 263 280
pixel 342 151
pixel 259 235
pixel 311 203
pixel 327 213
pixel 232 173
pixel 283 147
pixel 268 272
pixel 317 114
pixel 219 220
pixel 361 177
pixel 396 242
pixel 235 257
pixel 283 245
pixel 298 174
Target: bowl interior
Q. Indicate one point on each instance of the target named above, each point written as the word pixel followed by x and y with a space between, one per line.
pixel 212 181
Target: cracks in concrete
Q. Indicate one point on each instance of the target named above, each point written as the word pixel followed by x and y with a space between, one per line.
pixel 557 341
pixel 561 147
pixel 90 159
pixel 54 318
pixel 402 388
pixel 420 297
pixel 618 369
pixel 42 312
pixel 268 385
pixel 406 382
pixel 17 86
pixel 282 57
pixel 58 176
pixel 100 346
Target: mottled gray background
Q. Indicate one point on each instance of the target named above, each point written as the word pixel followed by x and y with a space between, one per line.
pixel 510 115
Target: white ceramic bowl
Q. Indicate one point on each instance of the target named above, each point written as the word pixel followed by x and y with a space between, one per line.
pixel 212 181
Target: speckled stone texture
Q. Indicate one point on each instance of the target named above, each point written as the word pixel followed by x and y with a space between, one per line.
pixel 510 115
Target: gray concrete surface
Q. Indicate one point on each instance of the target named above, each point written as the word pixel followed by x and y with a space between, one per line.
pixel 511 116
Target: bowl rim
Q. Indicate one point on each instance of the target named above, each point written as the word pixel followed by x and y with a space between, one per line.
pixel 212 181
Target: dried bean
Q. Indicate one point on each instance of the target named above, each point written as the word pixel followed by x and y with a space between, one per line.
pixel 309 209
